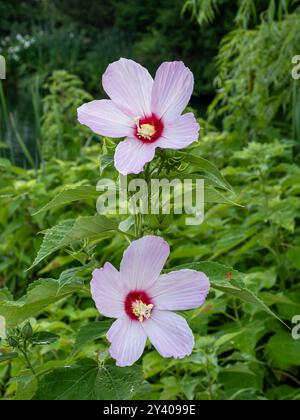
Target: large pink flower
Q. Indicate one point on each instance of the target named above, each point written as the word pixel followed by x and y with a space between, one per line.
pixel 142 300
pixel 146 112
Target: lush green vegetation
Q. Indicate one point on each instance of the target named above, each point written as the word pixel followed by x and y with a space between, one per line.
pixel 249 246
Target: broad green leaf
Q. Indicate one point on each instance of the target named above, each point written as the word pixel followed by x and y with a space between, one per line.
pixel 40 295
pixel 43 337
pixel 72 230
pixel 88 381
pixel 26 387
pixel 91 332
pixel 204 165
pixel 283 350
pixel 8 356
pixel 83 192
pixel 229 281
pixel 212 195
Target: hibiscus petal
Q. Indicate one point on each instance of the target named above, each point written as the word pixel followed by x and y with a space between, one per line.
pixel 129 85
pixel 180 290
pixel 108 291
pixel 172 90
pixel 143 262
pixel 170 334
pixel 128 341
pixel 180 133
pixel 132 154
pixel 104 118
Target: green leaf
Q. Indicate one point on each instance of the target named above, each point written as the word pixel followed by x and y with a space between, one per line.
pixel 73 230
pixel 40 295
pixel 204 165
pixel 8 356
pixel 43 337
pixel 283 350
pixel 91 332
pixel 88 381
pixel 105 162
pixel 229 281
pixel 212 195
pixel 26 387
pixel 83 192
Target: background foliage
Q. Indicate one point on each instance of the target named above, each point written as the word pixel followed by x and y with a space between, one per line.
pixel 248 106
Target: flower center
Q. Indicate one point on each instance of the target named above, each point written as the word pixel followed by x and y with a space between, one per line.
pixel 138 306
pixel 141 310
pixel 148 129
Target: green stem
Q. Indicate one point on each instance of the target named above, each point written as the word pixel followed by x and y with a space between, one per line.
pixel 29 365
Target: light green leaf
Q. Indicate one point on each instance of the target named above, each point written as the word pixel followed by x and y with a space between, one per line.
pixel 69 231
pixel 26 387
pixel 83 192
pixel 40 295
pixel 87 381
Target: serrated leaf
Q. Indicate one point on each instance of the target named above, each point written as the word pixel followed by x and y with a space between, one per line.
pixel 40 295
pixel 90 332
pixel 204 165
pixel 229 281
pixel 87 381
pixel 68 196
pixel 73 230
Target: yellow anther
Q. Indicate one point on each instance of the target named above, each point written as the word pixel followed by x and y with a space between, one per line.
pixel 141 310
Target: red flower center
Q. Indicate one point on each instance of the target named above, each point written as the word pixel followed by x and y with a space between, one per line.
pixel 148 129
pixel 138 305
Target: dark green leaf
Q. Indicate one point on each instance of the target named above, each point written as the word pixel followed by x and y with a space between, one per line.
pixel 91 332
pixel 43 337
pixel 88 381
pixel 8 356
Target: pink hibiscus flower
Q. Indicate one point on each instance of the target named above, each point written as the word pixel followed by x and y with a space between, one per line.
pixel 142 300
pixel 147 112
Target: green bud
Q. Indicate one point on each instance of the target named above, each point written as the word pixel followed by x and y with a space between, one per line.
pixel 27 331
pixel 13 342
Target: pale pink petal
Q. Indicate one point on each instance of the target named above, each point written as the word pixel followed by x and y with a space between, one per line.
pixel 104 118
pixel 132 154
pixel 170 334
pixel 129 85
pixel 108 291
pixel 143 262
pixel 172 90
pixel 128 341
pixel 180 290
pixel 179 133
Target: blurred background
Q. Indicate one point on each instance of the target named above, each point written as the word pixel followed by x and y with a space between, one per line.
pixel 41 37
pixel 248 105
